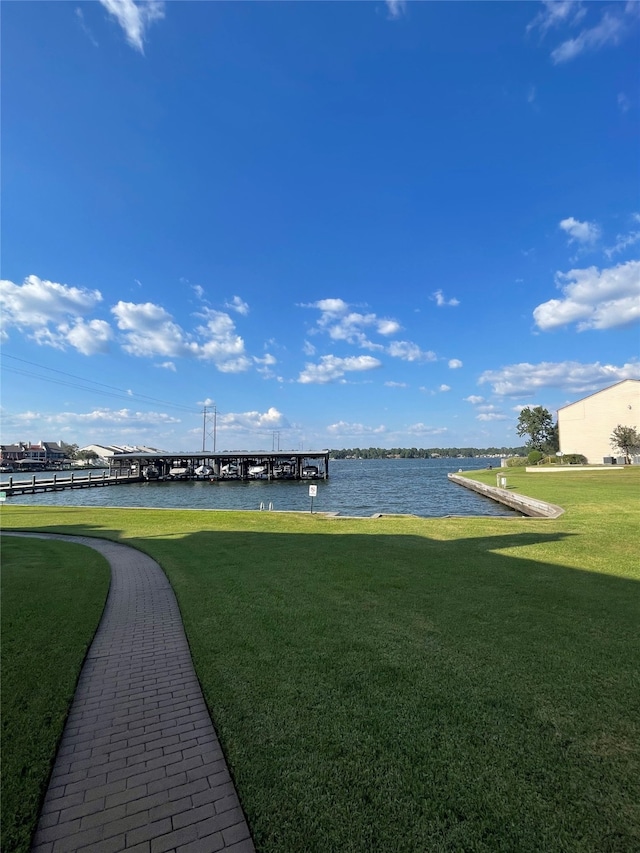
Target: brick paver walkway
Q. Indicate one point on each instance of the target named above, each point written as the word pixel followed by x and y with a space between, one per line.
pixel 139 767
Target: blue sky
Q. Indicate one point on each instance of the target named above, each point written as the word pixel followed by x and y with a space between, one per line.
pixel 341 224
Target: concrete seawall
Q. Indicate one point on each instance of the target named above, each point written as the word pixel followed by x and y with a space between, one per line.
pixel 527 506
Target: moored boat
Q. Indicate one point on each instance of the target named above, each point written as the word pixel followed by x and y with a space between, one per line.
pixel 180 472
pixel 229 470
pixel 203 471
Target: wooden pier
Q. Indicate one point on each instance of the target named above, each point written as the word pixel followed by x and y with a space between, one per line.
pixel 67 480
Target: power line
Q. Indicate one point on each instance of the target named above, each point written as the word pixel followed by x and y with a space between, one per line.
pixel 113 392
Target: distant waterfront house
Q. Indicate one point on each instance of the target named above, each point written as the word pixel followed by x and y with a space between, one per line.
pixel 585 426
pixel 103 451
pixel 106 452
pixel 39 455
pixel 11 453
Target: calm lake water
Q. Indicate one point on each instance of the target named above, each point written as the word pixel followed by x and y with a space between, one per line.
pixel 355 487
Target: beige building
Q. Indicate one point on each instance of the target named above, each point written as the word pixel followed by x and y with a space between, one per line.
pixel 586 426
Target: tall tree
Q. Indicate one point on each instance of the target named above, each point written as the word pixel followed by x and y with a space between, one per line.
pixel 626 439
pixel 538 424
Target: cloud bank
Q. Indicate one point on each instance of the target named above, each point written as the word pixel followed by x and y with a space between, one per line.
pixel 593 299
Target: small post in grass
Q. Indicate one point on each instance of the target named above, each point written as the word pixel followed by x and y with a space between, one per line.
pixel 313 491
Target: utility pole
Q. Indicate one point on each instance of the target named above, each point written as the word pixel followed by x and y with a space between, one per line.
pixel 214 416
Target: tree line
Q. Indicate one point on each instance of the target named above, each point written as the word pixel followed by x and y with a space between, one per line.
pixel 423 453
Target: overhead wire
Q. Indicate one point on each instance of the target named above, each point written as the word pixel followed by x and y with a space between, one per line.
pixel 88 383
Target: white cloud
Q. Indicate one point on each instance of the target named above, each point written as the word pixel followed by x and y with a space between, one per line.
pixel 198 290
pixel 265 365
pixel 441 301
pixel 593 298
pixel 408 351
pixel 342 324
pixel 167 365
pixel 105 417
pixel 149 330
pixel 623 241
pixel 392 384
pixel 555 13
pixel 580 232
pixel 331 306
pixel 267 361
pixel 308 348
pixel 423 429
pixel 342 428
pixel 444 388
pixel 492 416
pixel 571 376
pixel 614 25
pixel 83 26
pixel 90 338
pixel 455 363
pixel 252 421
pixel 396 8
pixel 238 305
pixel 38 302
pixel 624 103
pixel 388 327
pixel 121 416
pixel 135 18
pixel 222 345
pixel 474 399
pixel 331 368
pixel 54 313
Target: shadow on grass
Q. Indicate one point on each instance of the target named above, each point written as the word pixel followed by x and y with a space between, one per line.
pixel 401 693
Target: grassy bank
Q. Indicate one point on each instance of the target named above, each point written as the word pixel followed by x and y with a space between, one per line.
pixel 52 598
pixel 408 684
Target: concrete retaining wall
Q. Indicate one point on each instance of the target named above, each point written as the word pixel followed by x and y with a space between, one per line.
pixel 527 506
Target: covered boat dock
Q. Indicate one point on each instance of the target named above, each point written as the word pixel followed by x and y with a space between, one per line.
pixel 229 465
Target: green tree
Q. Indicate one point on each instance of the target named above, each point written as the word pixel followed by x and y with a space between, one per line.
pixel 538 424
pixel 626 439
pixel 70 450
pixel 553 440
pixel 87 455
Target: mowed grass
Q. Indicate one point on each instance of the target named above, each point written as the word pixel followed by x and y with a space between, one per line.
pixel 52 598
pixel 404 684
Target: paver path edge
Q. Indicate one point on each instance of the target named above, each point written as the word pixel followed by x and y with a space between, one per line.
pixel 139 767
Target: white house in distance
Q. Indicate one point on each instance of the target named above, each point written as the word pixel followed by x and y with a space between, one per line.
pixel 585 426
pixel 107 451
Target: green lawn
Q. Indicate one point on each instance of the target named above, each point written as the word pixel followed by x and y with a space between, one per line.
pixel 404 684
pixel 52 598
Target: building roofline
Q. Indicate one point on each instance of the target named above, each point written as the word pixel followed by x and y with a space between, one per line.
pixel 593 394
